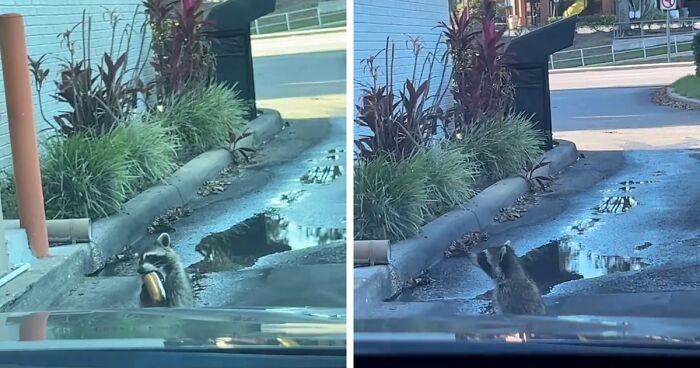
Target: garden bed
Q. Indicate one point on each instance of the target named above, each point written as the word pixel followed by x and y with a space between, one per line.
pixel 688 86
pixel 51 277
pixel 412 256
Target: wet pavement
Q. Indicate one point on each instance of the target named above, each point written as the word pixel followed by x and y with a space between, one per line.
pixel 274 237
pixel 628 227
pixel 618 234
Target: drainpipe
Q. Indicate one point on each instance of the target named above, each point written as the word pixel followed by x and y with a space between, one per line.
pixel 20 116
pixel 33 327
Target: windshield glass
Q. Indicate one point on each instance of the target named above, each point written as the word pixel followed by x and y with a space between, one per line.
pixel 171 157
pixel 525 159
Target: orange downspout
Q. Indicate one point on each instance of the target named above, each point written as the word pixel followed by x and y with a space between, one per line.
pixel 33 327
pixel 522 13
pixel 20 116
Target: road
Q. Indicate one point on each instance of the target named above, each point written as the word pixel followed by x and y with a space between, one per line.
pixel 641 262
pixel 291 197
pixel 301 76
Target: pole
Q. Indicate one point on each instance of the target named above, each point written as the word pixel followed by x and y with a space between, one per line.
pixel 34 327
pixel 668 36
pixel 20 116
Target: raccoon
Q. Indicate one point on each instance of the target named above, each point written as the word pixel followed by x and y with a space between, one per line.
pixel 162 259
pixel 515 292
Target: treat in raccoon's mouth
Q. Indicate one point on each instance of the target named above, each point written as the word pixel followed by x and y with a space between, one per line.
pixel 154 286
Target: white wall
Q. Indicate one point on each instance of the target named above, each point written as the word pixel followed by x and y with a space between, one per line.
pixel 44 20
pixel 375 20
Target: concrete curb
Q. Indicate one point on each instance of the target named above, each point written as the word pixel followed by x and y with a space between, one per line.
pixel 686 100
pixel 299 33
pixel 412 256
pixel 49 278
pixel 620 67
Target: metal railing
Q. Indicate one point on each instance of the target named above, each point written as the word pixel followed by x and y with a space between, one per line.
pixel 601 55
pixel 651 28
pixel 297 20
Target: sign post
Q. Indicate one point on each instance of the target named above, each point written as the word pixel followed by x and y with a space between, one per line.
pixel 668 5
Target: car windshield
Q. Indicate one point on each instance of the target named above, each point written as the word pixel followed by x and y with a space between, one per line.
pixel 174 171
pixel 526 159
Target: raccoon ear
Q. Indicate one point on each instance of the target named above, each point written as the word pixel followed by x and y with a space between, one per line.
pixel 164 240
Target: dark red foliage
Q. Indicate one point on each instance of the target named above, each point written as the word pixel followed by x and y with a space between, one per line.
pixel 481 75
pixel 181 51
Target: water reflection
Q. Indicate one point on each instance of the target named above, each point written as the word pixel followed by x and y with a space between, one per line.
pixel 322 175
pixel 261 235
pixel 616 204
pixel 564 260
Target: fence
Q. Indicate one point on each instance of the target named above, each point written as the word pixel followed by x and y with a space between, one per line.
pixel 607 54
pixel 651 28
pixel 297 20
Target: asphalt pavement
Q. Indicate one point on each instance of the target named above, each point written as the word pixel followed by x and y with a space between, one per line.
pixel 617 234
pixel 292 194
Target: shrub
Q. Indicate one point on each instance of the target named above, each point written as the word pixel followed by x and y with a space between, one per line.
pixel 150 150
pixel 202 118
pixel 503 146
pixel 696 53
pixel 653 13
pixel 84 176
pixel 9 197
pixel 600 22
pixel 390 197
pixel 451 178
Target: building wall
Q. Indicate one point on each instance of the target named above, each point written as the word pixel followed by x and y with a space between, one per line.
pixel 44 20
pixel 375 20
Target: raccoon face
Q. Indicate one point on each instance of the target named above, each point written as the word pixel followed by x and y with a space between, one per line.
pixel 493 260
pixel 157 258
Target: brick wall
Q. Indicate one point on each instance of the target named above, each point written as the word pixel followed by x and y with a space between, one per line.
pixel 44 20
pixel 397 19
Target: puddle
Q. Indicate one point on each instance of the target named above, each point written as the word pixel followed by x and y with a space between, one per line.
pixel 288 198
pixel 564 260
pixel 261 235
pixel 628 185
pixel 322 174
pixel 331 157
pixel 616 204
pixel 584 225
pixel 642 246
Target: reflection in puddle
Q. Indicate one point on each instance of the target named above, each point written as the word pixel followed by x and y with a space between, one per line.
pixel 564 260
pixel 642 246
pixel 260 235
pixel 322 175
pixel 628 185
pixel 288 198
pixel 584 225
pixel 616 204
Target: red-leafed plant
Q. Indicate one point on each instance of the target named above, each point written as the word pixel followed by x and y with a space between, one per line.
pixel 182 55
pixel 401 122
pixel 481 76
pixel 98 95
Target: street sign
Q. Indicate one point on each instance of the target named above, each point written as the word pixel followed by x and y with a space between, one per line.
pixel 668 4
